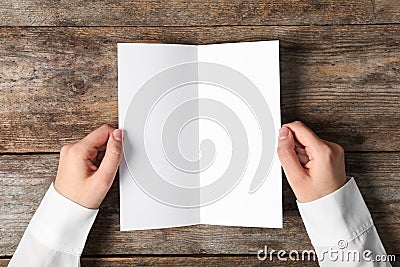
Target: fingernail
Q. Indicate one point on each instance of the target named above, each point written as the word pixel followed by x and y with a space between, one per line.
pixel 283 133
pixel 117 134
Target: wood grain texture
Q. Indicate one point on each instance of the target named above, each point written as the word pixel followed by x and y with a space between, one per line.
pixel 58 81
pixel 221 261
pixel 191 261
pixel 25 178
pixel 196 13
pixel 184 261
pixel 58 84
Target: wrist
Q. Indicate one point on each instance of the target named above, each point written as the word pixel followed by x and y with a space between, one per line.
pixel 61 223
pixel 341 215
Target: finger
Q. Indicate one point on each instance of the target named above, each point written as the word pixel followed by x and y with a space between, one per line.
pixel 297 144
pixel 112 157
pixel 287 155
pixel 102 148
pixel 97 138
pixel 333 146
pixel 304 159
pixel 300 150
pixel 99 157
pixel 303 134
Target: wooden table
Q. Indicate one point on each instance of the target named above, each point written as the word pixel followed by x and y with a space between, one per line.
pixel 340 74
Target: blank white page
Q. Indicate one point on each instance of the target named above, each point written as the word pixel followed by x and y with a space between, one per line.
pixel 259 62
pixel 200 127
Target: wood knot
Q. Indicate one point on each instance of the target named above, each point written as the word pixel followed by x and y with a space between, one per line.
pixel 78 87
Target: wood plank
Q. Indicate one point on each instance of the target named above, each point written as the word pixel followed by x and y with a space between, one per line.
pixel 25 178
pixel 380 194
pixel 194 261
pixel 58 84
pixel 185 261
pixel 196 13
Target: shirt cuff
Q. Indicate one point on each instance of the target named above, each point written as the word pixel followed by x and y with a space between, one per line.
pixel 61 224
pixel 337 217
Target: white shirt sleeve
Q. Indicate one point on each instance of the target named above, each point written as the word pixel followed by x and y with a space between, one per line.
pixel 56 234
pixel 341 229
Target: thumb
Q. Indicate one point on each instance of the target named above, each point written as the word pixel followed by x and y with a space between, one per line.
pixel 112 157
pixel 287 155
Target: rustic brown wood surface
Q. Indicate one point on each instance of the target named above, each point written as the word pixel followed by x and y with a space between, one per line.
pixel 340 74
pixel 198 12
pixel 25 179
pixel 61 83
pixel 183 261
